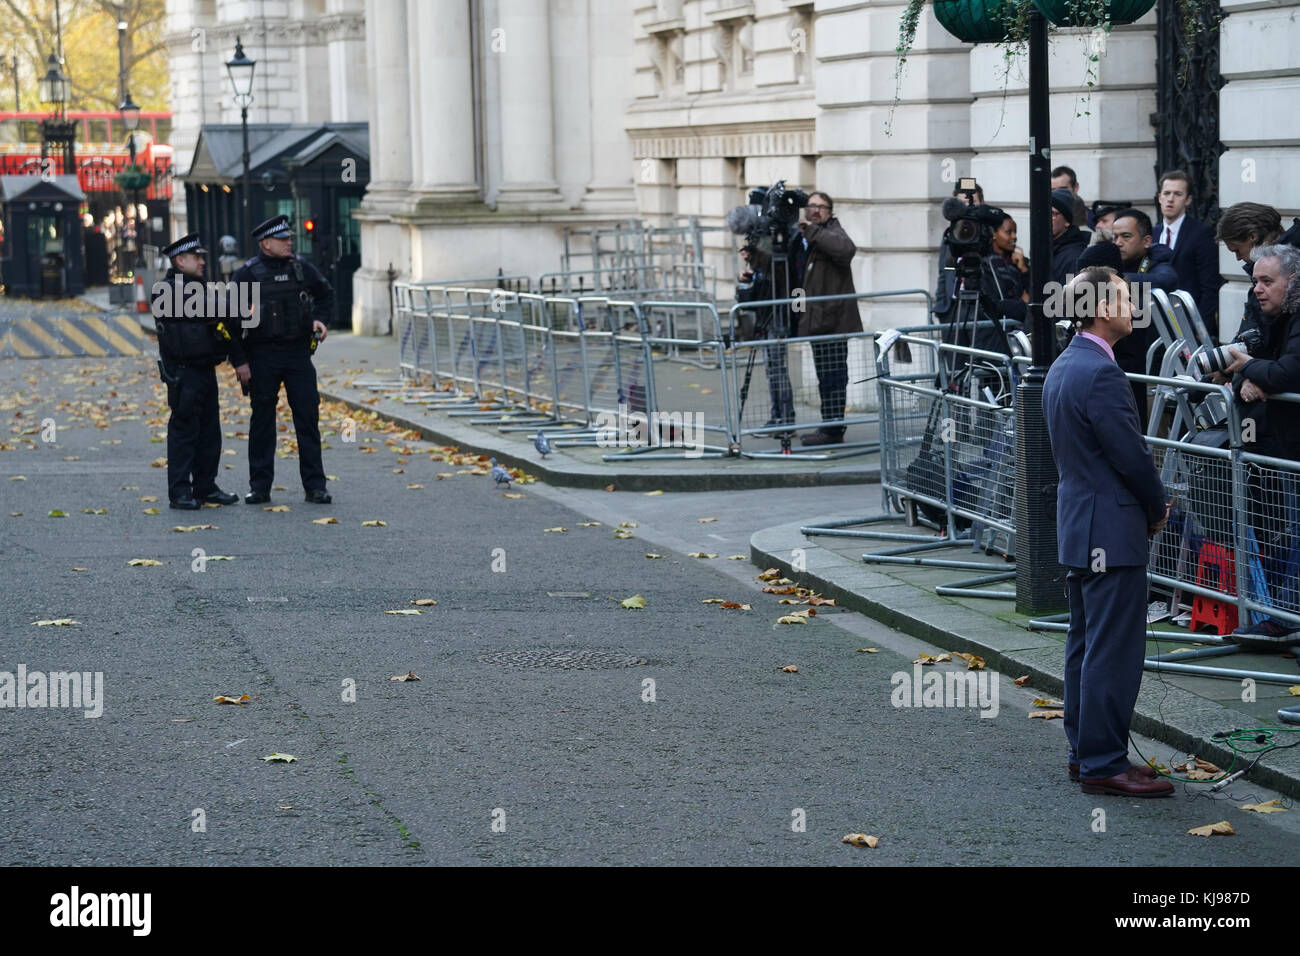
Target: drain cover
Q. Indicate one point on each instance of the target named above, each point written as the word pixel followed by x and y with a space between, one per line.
pixel 584 660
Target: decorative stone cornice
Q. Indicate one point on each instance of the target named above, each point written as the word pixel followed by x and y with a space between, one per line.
pixel 790 138
pixel 336 26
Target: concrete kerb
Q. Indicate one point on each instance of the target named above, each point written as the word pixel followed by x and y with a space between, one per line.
pixel 570 474
pixel 1164 712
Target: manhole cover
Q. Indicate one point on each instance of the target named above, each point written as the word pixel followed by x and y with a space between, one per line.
pixel 566 660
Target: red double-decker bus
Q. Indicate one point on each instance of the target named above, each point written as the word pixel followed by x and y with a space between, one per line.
pixel 102 150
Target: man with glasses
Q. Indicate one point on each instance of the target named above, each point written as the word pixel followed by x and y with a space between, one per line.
pixel 827 271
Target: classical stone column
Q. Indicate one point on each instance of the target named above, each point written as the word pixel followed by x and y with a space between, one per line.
pixel 441 102
pixel 522 43
pixel 389 98
pixel 611 32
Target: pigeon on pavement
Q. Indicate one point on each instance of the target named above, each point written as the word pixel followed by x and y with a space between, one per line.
pixel 541 444
pixel 499 474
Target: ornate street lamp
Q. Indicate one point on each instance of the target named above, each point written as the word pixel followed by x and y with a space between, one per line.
pixel 241 80
pixel 130 114
pixel 53 89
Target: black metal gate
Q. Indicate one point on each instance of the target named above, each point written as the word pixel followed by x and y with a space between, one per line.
pixel 1187 104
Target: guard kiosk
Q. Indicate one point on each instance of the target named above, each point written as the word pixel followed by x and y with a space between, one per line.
pixel 42 253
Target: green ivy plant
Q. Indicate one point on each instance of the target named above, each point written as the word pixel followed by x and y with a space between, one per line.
pixel 1091 14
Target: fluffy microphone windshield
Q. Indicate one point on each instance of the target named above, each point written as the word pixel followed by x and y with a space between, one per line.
pixel 744 219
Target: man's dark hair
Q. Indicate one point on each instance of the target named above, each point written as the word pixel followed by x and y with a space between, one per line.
pixel 1100 279
pixel 1137 215
pixel 829 201
pixel 1249 221
pixel 978 190
pixel 1066 171
pixel 1176 174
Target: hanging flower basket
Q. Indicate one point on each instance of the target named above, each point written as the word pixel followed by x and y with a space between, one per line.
pixel 132 178
pixel 976 21
pixel 1088 13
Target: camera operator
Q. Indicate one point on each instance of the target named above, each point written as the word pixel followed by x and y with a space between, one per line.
pixel 755 285
pixel 1068 240
pixel 827 272
pixel 970 256
pixel 1244 227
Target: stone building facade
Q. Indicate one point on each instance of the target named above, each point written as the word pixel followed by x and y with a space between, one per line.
pixel 496 123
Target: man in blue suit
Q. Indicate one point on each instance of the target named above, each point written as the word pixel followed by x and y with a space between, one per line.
pixel 1196 258
pixel 1110 500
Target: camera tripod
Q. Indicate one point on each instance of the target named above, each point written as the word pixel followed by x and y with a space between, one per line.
pixel 779 277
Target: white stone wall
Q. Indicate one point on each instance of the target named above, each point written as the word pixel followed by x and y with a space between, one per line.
pixel 1259 123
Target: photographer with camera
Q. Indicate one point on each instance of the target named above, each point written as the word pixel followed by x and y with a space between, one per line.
pixel 976 280
pixel 827 272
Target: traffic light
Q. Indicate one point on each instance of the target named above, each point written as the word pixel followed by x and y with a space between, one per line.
pixel 309 225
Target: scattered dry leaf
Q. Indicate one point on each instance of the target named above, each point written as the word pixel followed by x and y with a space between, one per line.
pixel 424 602
pixel 861 839
pixel 276 508
pixel 413 487
pixel 609 487
pixel 409 675
pixel 151 511
pixel 635 603
pixel 651 494
pixel 1048 714
pixel 1222 828
pixel 511 494
pixel 931 659
pixel 706 520
pixel 405 610
pixel 144 563
pixel 374 524
pixel 737 557
pixel 242 699
pixel 588 524
pixel 628 524
pixel 1268 806
pixel 654 555
pixel 57 622
pixel 554 530
pixel 194 527
pixel 1048 702
pixel 868 650
pixel 771 574
pixel 792 619
pixel 702 554
pixel 324 520
pixel 790 669
pixel 280 758
pixel 973 662
pixel 1022 681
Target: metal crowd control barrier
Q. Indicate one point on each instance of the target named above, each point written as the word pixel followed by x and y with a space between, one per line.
pixel 947 459
pixel 772 390
pixel 678 413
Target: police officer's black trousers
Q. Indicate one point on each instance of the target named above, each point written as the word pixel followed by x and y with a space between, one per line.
pixel 294 369
pixel 193 433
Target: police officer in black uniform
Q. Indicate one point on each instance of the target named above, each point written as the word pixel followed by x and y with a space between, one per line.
pixel 294 300
pixel 190 348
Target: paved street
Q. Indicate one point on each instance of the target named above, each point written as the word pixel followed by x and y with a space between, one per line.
pixel 574 764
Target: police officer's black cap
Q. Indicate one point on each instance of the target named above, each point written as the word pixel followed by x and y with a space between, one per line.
pixel 277 227
pixel 191 243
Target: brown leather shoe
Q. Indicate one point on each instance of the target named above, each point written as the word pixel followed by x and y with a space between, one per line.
pixel 820 437
pixel 1144 769
pixel 1131 783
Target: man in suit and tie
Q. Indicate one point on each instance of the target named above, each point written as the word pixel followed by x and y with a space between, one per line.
pixel 1110 500
pixel 1196 260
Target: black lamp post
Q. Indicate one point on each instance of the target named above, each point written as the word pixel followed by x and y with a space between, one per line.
pixel 1038 575
pixel 130 114
pixel 241 79
pixel 53 89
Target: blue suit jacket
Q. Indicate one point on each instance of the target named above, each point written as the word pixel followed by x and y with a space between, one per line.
pixel 1196 260
pixel 1109 491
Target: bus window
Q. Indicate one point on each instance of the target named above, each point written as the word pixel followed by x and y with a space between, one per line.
pixel 163 132
pixel 98 131
pixel 29 131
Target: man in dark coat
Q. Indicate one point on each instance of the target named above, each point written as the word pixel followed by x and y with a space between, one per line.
pixel 827 272
pixel 1192 242
pixel 1244 227
pixel 1109 501
pixel 295 302
pixel 1068 240
pixel 1141 261
pixel 190 347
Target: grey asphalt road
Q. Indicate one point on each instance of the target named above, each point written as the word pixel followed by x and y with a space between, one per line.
pixel 483 760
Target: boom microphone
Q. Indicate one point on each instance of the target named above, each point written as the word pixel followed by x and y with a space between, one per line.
pixel 954 208
pixel 744 219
